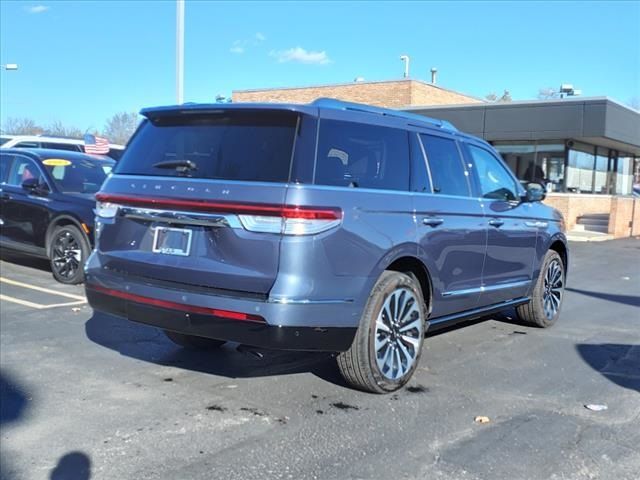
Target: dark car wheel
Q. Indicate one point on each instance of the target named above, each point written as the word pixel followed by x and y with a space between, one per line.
pixel 388 344
pixel 69 250
pixel 193 342
pixel 543 309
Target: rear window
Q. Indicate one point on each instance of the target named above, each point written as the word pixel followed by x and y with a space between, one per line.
pixel 362 156
pixel 227 145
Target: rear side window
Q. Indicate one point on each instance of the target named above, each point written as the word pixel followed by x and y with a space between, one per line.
pixel 28 145
pixel 361 155
pixel 61 146
pixel 5 162
pixel 228 145
pixel 447 170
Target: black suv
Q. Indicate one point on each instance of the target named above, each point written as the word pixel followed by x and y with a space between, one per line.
pixel 47 205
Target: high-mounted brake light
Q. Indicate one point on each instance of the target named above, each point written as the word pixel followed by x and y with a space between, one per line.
pixel 255 217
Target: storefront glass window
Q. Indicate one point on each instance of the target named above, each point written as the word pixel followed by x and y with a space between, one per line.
pixel 531 162
pixel 580 170
pixel 600 177
pixel 518 157
pixel 624 175
pixel 550 160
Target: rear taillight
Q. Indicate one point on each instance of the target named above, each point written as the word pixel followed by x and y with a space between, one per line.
pixel 263 218
pixel 106 209
pixel 294 221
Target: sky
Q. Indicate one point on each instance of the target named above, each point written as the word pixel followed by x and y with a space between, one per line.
pixel 81 62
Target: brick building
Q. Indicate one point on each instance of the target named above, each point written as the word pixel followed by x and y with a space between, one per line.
pixel 390 94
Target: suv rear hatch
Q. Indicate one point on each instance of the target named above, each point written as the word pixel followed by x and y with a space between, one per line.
pixel 197 198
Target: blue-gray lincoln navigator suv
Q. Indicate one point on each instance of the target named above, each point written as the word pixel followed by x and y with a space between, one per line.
pixel 330 226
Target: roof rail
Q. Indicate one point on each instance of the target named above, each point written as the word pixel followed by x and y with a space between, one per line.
pixel 360 107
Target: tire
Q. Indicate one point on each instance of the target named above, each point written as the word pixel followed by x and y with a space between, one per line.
pixel 362 366
pixel 193 342
pixel 544 307
pixel 68 251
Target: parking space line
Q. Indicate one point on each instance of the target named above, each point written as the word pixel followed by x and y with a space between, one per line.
pixel 39 306
pixel 41 289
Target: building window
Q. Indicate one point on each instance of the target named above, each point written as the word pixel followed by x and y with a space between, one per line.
pixel 580 169
pixel 535 162
pixel 624 175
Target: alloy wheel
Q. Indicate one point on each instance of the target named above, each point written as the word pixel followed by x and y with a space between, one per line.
pixel 553 289
pixel 67 254
pixel 398 333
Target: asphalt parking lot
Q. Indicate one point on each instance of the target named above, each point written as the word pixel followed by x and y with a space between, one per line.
pixel 92 396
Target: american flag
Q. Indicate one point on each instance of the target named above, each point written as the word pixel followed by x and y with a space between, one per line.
pixel 95 145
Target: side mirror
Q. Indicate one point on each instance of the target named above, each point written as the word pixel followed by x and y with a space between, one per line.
pixel 33 185
pixel 536 192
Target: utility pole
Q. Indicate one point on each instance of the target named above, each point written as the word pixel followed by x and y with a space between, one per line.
pixel 180 52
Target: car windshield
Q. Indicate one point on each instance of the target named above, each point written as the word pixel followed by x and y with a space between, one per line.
pixel 4 140
pixel 78 175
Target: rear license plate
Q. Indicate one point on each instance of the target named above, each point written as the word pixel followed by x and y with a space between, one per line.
pixel 172 241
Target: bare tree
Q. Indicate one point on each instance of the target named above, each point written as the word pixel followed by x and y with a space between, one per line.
pixel 506 97
pixel 59 129
pixel 494 98
pixel 547 93
pixel 634 102
pixel 120 127
pixel 21 126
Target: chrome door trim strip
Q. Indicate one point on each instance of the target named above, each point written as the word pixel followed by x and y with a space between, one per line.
pixel 485 288
pixel 476 312
pixel 295 301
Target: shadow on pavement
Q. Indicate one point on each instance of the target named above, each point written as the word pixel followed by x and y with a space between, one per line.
pixel 617 362
pixel 149 344
pixel 72 466
pixel 25 260
pixel 13 404
pixel 632 300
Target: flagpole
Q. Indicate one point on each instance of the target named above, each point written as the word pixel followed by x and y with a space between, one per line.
pixel 180 51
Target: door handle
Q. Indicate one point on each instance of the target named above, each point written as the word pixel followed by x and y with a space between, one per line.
pixel 432 221
pixel 496 222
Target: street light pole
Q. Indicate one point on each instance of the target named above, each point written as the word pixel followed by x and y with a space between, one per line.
pixel 180 52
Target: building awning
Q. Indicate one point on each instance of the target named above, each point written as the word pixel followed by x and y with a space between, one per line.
pixel 597 120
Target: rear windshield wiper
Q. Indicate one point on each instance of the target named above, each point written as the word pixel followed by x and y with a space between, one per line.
pixel 181 166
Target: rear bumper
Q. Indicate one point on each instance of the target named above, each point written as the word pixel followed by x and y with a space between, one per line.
pixel 316 326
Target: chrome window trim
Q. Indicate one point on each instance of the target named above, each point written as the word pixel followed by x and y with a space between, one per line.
pixel 424 159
